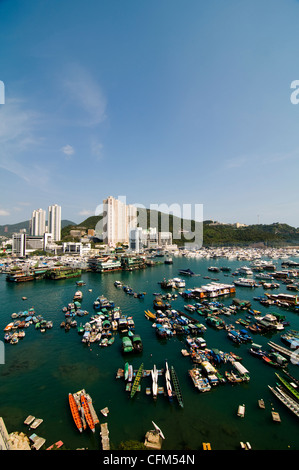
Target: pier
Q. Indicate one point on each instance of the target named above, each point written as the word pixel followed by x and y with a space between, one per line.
pixel 105 436
pixel 281 349
pixel 4 437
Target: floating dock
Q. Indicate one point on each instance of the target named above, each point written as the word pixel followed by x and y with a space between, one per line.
pixel 153 440
pixel 105 436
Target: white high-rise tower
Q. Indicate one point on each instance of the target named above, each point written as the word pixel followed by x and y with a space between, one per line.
pixel 54 222
pixel 118 219
pixel 38 222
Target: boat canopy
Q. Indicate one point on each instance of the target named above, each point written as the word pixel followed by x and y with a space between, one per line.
pixel 240 368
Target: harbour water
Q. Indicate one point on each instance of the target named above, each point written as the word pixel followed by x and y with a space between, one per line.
pixel 43 368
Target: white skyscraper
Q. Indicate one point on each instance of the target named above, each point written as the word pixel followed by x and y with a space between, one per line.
pixel 54 222
pixel 118 219
pixel 38 222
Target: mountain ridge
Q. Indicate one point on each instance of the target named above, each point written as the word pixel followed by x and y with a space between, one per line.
pixel 213 234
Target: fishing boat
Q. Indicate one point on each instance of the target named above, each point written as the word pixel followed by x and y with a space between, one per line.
pixel 126 371
pixel 87 413
pixel 137 381
pixel 127 345
pixel 75 412
pixel 158 430
pixel 177 388
pixel 130 373
pixel 78 295
pixel 150 315
pixel 137 343
pixel 289 386
pixel 200 383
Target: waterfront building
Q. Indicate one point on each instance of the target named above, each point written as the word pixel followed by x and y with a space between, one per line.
pixel 38 222
pixel 150 237
pixel 136 243
pixel 54 222
pixel 74 248
pixel 19 244
pixel 119 219
pixel 22 244
pixel 165 238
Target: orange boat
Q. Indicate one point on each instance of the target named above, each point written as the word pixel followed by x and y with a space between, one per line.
pixel 87 413
pixel 75 412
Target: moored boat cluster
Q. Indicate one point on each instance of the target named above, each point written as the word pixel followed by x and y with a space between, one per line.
pixel 14 330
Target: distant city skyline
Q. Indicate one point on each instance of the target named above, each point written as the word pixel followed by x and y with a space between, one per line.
pixel 163 102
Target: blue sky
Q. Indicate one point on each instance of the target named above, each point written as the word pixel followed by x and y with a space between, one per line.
pixel 164 102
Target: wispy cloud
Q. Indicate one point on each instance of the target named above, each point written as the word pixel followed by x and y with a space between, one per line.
pixel 86 93
pixel 18 135
pixel 96 149
pixel 236 162
pixel 86 212
pixel 68 150
pixel 4 212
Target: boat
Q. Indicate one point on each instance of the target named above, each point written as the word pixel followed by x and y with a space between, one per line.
pixel 186 272
pixel 9 326
pixel 105 411
pixel 137 343
pixel 126 371
pixel 289 386
pixel 130 373
pixel 244 282
pixel 87 413
pixel 168 382
pixel 137 381
pixel 56 445
pixel 29 420
pixel 241 411
pixel 75 412
pixel 275 416
pixel 36 423
pixel 154 374
pixel 261 403
pixel 201 383
pixel 158 430
pixel 78 295
pixel 177 388
pixel 127 345
pixel 179 282
pixel 150 315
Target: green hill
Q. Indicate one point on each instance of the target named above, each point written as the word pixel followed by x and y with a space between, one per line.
pixel 8 229
pixel 275 234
